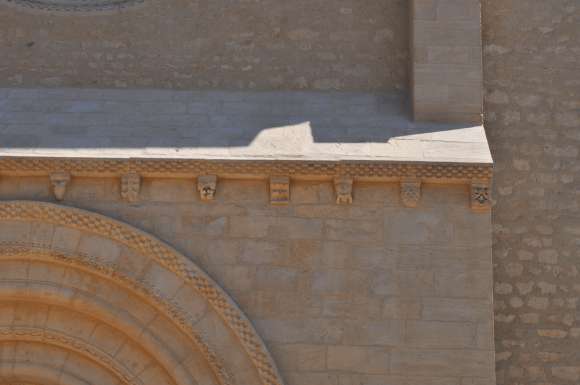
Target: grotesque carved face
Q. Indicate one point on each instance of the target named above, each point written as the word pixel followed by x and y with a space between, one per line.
pixel 59 181
pixel 208 191
pixel 59 188
pixel 343 188
pixel 207 185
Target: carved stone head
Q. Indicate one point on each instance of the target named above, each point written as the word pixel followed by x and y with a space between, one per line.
pixel 207 186
pixel 343 189
pixel 59 181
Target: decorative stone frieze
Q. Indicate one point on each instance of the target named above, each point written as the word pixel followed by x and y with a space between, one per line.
pixel 59 181
pixel 410 192
pixel 480 195
pixel 343 190
pixel 130 187
pixel 279 190
pixel 186 168
pixel 210 170
pixel 207 186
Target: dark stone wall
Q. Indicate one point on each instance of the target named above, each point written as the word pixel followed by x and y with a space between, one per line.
pixel 220 44
pixel 532 117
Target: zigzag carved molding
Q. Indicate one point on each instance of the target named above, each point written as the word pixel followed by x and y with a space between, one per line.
pixel 370 170
pixel 163 254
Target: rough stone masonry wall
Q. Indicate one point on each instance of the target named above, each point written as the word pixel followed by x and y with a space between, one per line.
pixel 532 114
pixel 193 44
pixel 370 293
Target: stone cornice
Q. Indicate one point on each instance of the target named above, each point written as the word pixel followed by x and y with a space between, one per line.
pixel 367 170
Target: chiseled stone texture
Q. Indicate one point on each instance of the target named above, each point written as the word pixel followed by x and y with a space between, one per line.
pixel 446 60
pixel 371 293
pixel 260 44
pixel 532 104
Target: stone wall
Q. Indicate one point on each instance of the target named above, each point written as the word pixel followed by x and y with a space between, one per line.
pixel 532 114
pixel 368 293
pixel 446 78
pixel 263 44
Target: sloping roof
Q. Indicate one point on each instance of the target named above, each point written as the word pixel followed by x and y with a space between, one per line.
pixel 229 126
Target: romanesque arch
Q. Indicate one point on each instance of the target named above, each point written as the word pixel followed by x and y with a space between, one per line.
pixel 85 299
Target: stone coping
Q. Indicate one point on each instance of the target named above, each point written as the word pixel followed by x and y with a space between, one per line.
pixel 178 133
pixel 163 168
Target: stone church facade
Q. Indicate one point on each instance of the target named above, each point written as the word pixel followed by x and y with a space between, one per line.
pixel 269 192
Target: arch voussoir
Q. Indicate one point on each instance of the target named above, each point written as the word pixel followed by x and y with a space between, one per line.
pixel 57 290
pixel 80 248
pixel 71 344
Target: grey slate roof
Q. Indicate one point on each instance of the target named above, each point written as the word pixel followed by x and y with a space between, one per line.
pixel 145 123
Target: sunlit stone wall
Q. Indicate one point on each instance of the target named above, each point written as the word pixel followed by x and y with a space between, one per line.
pixel 365 293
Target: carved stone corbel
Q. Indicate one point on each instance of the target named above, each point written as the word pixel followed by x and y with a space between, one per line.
pixel 343 190
pixel 59 181
pixel 410 192
pixel 130 187
pixel 480 195
pixel 207 186
pixel 279 190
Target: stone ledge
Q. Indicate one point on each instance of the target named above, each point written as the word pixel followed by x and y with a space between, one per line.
pixel 163 133
pixel 186 168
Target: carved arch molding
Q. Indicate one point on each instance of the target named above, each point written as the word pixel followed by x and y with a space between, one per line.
pixel 85 299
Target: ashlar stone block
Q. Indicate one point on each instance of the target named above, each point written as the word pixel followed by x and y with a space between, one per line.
pixel 444 33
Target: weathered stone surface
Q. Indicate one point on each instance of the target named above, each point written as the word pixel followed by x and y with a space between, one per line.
pixel 246 45
pixel 364 293
pixel 57 296
pixel 424 362
pixel 439 334
pixel 371 360
pixel 532 116
pixel 446 66
pixel 336 296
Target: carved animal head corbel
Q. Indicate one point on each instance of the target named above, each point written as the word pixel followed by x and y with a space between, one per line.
pixel 59 181
pixel 207 186
pixel 343 190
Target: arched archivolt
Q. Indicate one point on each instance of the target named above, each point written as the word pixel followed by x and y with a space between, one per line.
pixel 20 373
pixel 51 364
pixel 113 296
